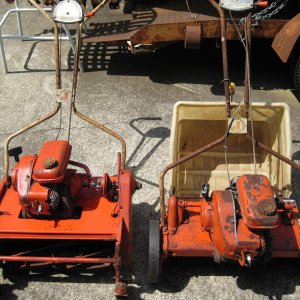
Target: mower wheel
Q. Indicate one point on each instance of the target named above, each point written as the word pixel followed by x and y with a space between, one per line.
pixel 14 275
pixel 154 251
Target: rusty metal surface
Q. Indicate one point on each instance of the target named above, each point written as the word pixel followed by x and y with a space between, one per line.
pixel 247 31
pixel 223 233
pixel 192 37
pixel 260 29
pixel 26 128
pixel 286 38
pixel 257 202
pixel 228 234
pixel 167 23
pixel 82 116
pixel 82 260
pixel 120 30
pixel 105 129
pixel 176 163
pixel 272 152
pixel 93 12
pixel 161 14
pixel 226 79
pixel 121 289
pixel 56 41
pixel 210 28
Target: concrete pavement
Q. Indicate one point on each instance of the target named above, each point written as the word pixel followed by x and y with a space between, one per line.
pixel 134 95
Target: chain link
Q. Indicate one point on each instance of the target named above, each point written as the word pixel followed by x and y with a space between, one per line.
pixel 193 16
pixel 267 13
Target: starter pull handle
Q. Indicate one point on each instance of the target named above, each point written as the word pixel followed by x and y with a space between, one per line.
pixel 15 152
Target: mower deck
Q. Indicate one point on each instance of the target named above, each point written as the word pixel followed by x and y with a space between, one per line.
pixel 94 220
pixel 188 240
pixel 96 236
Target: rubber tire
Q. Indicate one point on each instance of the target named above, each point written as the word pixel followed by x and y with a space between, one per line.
pixel 154 251
pixel 296 74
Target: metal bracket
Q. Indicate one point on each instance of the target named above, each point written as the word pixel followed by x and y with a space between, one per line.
pixel 238 125
pixel 63 95
pixel 192 37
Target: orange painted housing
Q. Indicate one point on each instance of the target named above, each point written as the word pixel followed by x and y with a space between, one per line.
pixel 244 223
pixel 257 202
pixel 57 152
pixel 53 214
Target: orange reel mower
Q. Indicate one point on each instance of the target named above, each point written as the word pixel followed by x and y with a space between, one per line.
pixel 52 214
pixel 230 180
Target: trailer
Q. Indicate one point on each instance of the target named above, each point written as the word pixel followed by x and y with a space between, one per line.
pixel 145 26
pixel 155 24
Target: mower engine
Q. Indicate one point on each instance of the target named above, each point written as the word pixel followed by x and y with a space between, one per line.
pixel 239 219
pixel 248 221
pixel 46 187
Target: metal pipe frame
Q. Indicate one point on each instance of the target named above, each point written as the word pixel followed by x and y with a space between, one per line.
pixel 195 153
pixel 248 51
pixel 226 79
pixel 175 164
pixel 105 129
pixel 51 259
pixel 268 150
pixel 58 105
pixel 26 128
pixel 95 10
pixel 82 116
pixel 18 12
pixel 19 20
pixel 228 115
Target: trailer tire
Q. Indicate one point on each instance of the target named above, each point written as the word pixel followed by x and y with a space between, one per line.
pixel 154 251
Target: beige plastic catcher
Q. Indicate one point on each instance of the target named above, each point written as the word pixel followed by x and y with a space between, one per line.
pixel 195 125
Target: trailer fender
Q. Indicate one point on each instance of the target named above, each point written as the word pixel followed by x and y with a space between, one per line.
pixel 286 38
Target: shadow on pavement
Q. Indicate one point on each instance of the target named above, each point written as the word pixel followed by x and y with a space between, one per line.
pixel 173 64
pixel 160 134
pixel 260 278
